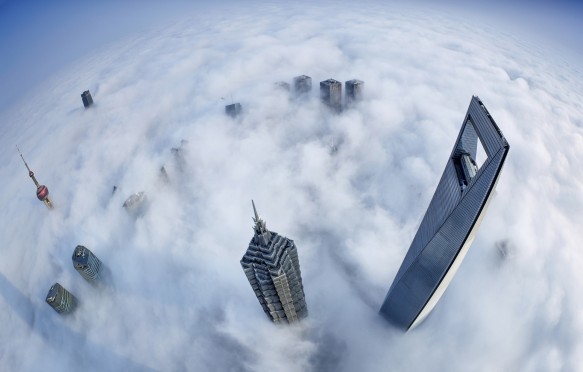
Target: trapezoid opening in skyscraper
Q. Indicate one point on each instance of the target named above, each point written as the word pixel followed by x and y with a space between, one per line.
pixel 272 267
pixel 451 221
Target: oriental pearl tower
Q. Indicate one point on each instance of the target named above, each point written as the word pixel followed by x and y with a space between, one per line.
pixel 42 192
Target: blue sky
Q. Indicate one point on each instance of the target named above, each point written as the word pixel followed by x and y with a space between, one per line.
pixel 38 38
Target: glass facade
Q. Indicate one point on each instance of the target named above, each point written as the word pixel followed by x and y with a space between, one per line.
pixel 87 99
pixel 354 90
pixel 451 220
pixel 272 267
pixel 86 264
pixel 331 93
pixel 61 300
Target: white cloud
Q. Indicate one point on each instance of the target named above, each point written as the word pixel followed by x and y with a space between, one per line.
pixel 179 299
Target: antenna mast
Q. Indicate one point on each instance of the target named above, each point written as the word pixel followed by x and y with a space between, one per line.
pixel 42 192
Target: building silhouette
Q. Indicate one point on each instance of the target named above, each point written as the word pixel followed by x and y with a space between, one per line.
pixel 354 89
pixel 61 300
pixel 272 267
pixel 136 204
pixel 87 264
pixel 331 93
pixel 302 85
pixel 87 99
pixel 283 86
pixel 233 110
pixel 451 221
pixel 42 192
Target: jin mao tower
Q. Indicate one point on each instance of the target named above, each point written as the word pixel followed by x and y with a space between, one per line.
pixel 272 267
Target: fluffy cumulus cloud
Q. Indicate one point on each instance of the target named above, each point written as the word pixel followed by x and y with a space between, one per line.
pixel 350 188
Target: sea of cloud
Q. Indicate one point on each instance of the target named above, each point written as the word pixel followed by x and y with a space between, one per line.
pixel 350 189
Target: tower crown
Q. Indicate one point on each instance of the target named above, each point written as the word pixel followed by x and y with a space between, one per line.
pixel 260 226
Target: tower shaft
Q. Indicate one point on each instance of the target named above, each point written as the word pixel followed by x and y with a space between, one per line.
pixel 48 203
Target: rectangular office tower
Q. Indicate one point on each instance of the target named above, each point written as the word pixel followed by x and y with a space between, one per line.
pixel 331 93
pixel 87 99
pixel 302 85
pixel 61 300
pixel 272 267
pixel 233 110
pixel 87 264
pixel 451 221
pixel 354 90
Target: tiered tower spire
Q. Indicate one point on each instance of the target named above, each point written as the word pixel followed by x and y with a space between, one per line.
pixel 260 227
pixel 42 192
pixel 272 267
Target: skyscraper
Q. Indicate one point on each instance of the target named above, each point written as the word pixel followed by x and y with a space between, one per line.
pixel 354 90
pixel 272 267
pixel 331 93
pixel 302 85
pixel 42 192
pixel 87 99
pixel 137 204
pixel 233 110
pixel 451 221
pixel 87 264
pixel 61 300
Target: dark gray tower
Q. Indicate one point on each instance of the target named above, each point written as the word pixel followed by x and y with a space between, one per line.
pixel 233 110
pixel 87 264
pixel 331 93
pixel 302 85
pixel 354 90
pixel 87 99
pixel 272 267
pixel 61 300
pixel 451 221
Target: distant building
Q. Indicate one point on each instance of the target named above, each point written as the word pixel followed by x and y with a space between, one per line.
pixel 302 85
pixel 272 267
pixel 164 175
pixel 233 110
pixel 354 89
pixel 283 86
pixel 331 93
pixel 136 204
pixel 179 155
pixel 451 221
pixel 61 300
pixel 87 99
pixel 42 192
pixel 87 264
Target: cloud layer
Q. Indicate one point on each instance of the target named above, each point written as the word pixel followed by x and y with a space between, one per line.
pixel 179 299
